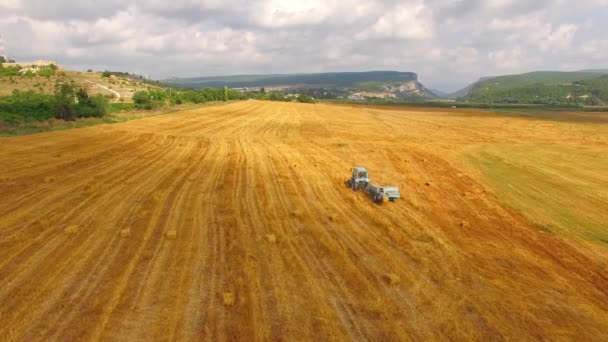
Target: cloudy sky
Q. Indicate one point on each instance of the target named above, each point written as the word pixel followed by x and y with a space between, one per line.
pixel 449 43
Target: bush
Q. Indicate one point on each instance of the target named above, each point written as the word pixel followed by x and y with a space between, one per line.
pixel 106 74
pixel 87 107
pixel 305 99
pixel 9 71
pixel 31 106
pixel 27 106
pixel 47 71
pixel 148 99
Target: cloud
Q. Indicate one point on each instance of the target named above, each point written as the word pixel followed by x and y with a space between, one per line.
pixel 411 20
pixel 511 58
pixel 558 39
pixel 447 42
pixel 596 49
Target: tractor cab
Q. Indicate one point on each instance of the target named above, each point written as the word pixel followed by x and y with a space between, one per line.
pixel 360 174
pixel 359 178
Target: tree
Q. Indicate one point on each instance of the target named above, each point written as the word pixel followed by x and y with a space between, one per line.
pixel 64 101
pixel 142 100
pixel 106 74
pixel 225 93
pixel 2 59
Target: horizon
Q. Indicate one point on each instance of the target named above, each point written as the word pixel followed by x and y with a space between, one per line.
pixel 448 44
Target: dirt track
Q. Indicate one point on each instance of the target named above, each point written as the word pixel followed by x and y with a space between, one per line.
pixel 269 243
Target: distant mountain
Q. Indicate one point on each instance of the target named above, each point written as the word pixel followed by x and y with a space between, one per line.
pixel 354 85
pixel 439 93
pixel 536 77
pixel 466 90
pixel 596 71
pixel 542 87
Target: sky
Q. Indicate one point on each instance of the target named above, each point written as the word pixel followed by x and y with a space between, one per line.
pixel 448 43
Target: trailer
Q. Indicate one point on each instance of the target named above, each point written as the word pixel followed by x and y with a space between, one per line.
pixel 381 193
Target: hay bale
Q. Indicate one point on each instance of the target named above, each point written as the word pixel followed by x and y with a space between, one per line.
pixel 228 298
pixel 157 196
pixel 271 238
pixel 391 279
pixel 125 233
pixel 171 234
pixel 49 179
pixel 71 230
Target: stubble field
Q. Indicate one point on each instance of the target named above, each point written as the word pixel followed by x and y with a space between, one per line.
pixel 233 222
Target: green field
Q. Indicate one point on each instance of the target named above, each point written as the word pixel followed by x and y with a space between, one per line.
pixel 560 187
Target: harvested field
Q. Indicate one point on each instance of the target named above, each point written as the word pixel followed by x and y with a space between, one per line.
pixel 233 222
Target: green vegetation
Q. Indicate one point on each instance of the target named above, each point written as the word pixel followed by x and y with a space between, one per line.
pixel 150 99
pixel 147 100
pixel 370 85
pixel 305 99
pixel 547 88
pixel 16 70
pixel 555 185
pixel 4 59
pixel 47 71
pixel 68 103
pixel 121 107
pixel 9 71
pixel 106 74
pixel 27 106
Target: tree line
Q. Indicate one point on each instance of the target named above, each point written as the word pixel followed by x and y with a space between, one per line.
pixel 154 98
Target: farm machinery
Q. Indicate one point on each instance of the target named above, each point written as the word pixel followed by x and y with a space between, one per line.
pixel 360 180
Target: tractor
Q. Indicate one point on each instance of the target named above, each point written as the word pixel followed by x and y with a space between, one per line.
pixel 360 180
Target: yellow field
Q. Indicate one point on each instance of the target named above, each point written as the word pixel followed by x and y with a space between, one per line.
pixel 233 222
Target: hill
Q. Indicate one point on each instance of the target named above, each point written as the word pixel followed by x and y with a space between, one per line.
pixel 354 85
pixel 24 77
pixel 542 87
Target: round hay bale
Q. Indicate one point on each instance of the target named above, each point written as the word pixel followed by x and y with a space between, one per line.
pixel 271 238
pixel 71 230
pixel 391 279
pixel 171 234
pixel 228 298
